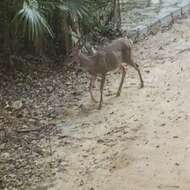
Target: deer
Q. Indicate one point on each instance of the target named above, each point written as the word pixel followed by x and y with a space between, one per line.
pixel 117 54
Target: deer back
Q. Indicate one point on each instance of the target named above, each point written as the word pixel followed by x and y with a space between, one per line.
pixel 108 58
pixel 122 49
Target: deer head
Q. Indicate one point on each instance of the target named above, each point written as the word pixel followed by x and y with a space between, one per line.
pixel 75 52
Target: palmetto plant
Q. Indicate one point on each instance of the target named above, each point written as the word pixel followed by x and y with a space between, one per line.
pixel 33 21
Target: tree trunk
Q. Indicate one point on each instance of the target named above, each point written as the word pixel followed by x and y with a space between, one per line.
pixel 116 14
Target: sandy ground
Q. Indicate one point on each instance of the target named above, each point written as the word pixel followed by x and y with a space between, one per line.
pixel 141 140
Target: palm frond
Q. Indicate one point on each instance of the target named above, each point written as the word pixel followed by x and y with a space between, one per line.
pixel 32 21
pixel 79 7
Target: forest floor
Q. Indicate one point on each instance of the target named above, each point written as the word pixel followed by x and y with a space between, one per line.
pixel 138 141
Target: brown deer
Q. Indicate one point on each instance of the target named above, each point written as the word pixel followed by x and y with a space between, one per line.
pixel 116 55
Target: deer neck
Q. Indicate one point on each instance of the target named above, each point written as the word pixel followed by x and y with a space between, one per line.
pixel 86 62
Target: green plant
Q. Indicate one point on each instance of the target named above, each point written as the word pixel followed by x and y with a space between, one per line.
pixel 39 23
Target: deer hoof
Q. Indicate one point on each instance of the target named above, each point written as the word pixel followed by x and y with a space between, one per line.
pixel 118 94
pixel 94 100
pixel 142 85
pixel 99 107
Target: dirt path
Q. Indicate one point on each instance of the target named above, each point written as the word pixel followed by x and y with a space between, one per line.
pixel 140 140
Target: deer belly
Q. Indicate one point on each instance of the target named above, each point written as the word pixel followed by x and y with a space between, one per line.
pixel 113 61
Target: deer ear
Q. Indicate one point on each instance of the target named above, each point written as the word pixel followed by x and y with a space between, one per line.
pixel 78 43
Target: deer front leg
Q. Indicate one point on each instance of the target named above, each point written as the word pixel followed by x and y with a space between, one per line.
pixel 92 81
pixel 101 90
pixel 122 79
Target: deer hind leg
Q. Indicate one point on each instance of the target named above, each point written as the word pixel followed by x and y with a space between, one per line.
pixel 136 67
pixel 92 83
pixel 101 91
pixel 124 68
pixel 127 56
